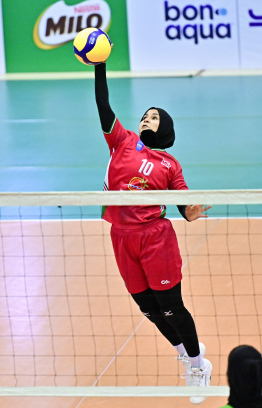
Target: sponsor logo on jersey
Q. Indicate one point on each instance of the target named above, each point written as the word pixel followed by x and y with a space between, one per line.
pixel 60 23
pixel 137 183
pixel 166 163
pixel 169 313
pixel 139 145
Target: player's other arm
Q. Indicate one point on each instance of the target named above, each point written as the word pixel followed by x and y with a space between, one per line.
pixel 189 212
pixel 107 116
pixel 178 183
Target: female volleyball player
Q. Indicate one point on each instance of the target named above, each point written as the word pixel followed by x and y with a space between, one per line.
pixel 245 378
pixel 144 242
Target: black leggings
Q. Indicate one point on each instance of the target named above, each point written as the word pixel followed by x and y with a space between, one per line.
pixel 165 308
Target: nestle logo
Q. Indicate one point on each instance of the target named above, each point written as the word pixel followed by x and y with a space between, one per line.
pixel 197 30
pixel 255 17
pixel 86 8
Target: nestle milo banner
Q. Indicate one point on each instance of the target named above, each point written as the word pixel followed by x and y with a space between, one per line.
pixel 39 34
pixel 196 34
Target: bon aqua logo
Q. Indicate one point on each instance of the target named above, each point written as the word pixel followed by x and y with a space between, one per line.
pixel 196 16
pixel 59 23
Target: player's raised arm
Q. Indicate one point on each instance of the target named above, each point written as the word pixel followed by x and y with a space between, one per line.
pixel 88 52
pixel 107 116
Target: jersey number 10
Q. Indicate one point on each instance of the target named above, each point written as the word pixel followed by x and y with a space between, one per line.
pixel 146 167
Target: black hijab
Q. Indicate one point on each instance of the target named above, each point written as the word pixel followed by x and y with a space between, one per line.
pixel 164 137
pixel 245 377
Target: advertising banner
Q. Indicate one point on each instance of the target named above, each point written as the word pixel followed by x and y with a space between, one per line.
pixel 159 35
pixel 250 28
pixel 39 34
pixel 176 34
pixel 181 34
pixel 2 51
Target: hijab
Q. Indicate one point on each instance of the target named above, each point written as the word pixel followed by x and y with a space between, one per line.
pixel 164 137
pixel 245 377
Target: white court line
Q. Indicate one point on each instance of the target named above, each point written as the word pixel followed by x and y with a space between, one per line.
pixel 117 391
pixel 113 359
pixel 100 375
pixel 231 72
pixel 32 76
pixel 26 120
pixel 35 76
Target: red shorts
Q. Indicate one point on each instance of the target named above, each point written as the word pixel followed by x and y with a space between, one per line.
pixel 148 257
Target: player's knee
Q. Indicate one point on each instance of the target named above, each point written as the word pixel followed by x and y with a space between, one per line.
pixel 176 314
pixel 154 315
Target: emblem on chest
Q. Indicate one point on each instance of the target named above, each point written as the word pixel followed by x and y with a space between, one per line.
pixel 137 183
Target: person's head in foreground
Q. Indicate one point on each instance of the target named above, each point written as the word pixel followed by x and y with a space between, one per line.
pixel 245 377
pixel 156 129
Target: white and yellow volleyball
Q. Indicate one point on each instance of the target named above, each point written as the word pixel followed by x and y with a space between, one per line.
pixel 92 46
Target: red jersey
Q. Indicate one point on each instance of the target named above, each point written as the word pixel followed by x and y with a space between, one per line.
pixel 133 166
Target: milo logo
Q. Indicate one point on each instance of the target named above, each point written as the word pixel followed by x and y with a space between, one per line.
pixel 60 23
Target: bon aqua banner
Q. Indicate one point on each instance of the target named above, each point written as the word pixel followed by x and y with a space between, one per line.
pixel 39 35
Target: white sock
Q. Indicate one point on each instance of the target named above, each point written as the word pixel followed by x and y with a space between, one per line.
pixel 196 362
pixel 180 349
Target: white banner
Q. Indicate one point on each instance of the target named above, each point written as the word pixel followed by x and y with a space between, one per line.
pixel 196 34
pixel 250 28
pixel 2 49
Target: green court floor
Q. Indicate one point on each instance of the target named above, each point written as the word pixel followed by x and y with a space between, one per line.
pixel 51 138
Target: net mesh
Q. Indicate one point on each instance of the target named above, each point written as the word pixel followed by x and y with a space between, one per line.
pixel 66 318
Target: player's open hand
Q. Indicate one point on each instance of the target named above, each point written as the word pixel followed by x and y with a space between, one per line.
pixel 193 212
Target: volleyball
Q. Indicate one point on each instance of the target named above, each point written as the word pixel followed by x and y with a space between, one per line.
pixel 92 46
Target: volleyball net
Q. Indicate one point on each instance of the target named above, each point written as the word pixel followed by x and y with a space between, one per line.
pixel 68 325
